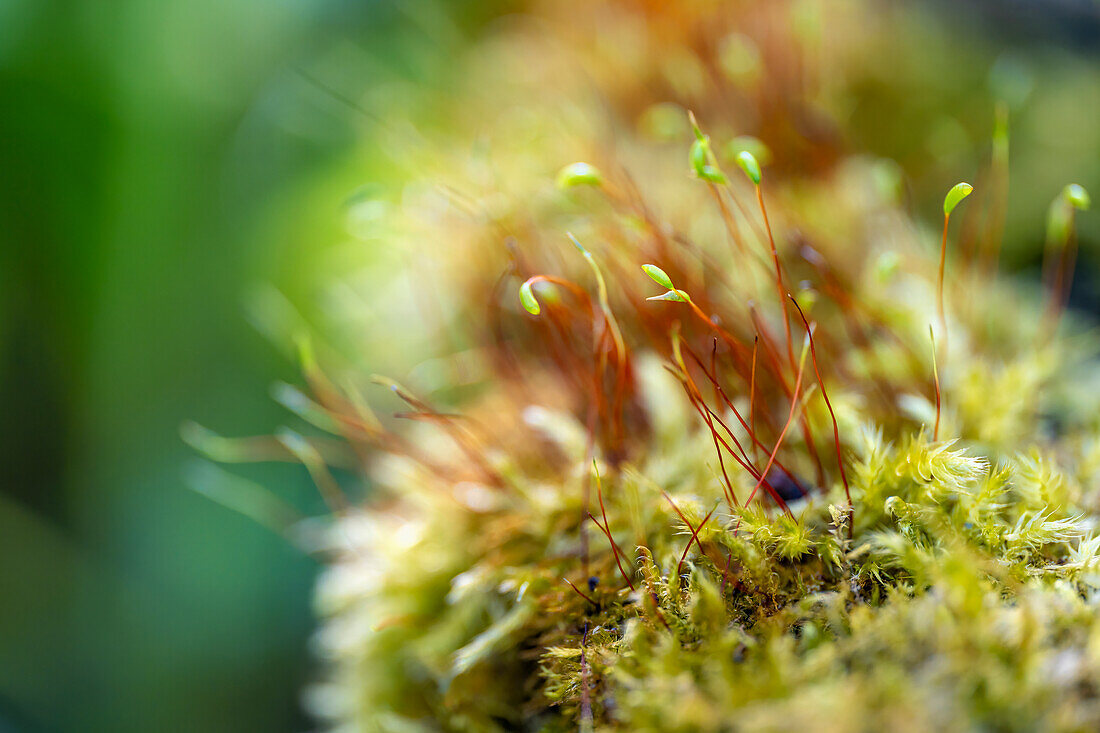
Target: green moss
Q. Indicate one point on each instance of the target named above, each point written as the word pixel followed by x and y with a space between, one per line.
pixel 957 590
pixel 964 598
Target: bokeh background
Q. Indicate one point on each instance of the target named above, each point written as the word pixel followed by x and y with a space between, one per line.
pixel 172 172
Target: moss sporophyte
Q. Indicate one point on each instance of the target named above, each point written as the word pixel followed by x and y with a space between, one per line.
pixel 616 499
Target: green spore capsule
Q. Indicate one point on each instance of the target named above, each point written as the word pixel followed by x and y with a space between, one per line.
pixel 672 296
pixel 957 193
pixel 1077 197
pixel 527 298
pixel 712 174
pixel 658 276
pixel 748 163
pixel 579 174
pixel 698 156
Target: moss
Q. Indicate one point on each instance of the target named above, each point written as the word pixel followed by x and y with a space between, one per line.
pixel 956 592
pixel 501 581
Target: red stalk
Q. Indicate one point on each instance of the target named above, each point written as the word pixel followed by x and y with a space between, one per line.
pixel 828 404
pixel 585 596
pixel 694 537
pixel 614 549
pixel 700 405
pixel 779 289
pixel 782 434
pixel 741 420
pixel 752 399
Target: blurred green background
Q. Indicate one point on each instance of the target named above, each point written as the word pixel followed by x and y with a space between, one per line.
pixel 161 161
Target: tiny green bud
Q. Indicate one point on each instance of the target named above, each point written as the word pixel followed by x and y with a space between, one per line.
pixel 698 156
pixel 748 163
pixel 712 174
pixel 527 298
pixel 672 296
pixel 658 276
pixel 579 174
pixel 1077 197
pixel 957 193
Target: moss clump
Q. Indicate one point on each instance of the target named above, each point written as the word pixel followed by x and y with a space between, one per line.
pixel 965 599
pixel 617 514
pixel 505 582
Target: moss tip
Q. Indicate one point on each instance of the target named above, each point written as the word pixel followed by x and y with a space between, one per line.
pixel 658 276
pixel 579 174
pixel 750 166
pixel 527 298
pixel 672 296
pixel 1077 197
pixel 957 193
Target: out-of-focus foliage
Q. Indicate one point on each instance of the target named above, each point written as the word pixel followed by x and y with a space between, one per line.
pixel 160 162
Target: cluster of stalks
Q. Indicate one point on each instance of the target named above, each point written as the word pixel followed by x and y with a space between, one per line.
pixel 749 387
pixel 779 369
pixel 599 365
pixel 591 354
